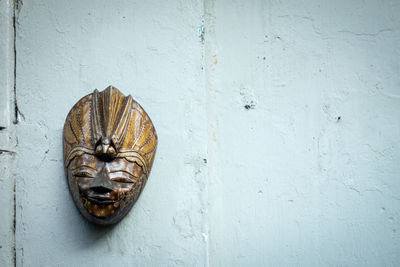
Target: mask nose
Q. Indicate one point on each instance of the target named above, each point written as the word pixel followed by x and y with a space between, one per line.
pixel 102 183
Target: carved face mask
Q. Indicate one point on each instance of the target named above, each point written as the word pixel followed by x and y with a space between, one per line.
pixel 109 146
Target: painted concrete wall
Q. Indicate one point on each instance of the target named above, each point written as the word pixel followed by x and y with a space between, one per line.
pixel 7 136
pixel 278 124
pixel 309 174
pixel 150 50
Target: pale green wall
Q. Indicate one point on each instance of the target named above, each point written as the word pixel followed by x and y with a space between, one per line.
pixel 254 166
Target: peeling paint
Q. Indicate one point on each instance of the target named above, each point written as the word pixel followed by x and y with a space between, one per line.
pixel 201 32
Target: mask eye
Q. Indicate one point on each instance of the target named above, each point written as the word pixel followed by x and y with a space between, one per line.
pixel 123 180
pixel 83 174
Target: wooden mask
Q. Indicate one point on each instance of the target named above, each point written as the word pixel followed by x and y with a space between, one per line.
pixel 109 146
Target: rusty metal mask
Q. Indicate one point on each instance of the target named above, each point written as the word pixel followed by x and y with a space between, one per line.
pixel 109 146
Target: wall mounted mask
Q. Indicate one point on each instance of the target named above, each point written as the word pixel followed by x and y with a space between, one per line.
pixel 109 146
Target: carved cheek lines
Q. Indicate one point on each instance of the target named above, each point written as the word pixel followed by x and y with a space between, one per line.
pixel 83 167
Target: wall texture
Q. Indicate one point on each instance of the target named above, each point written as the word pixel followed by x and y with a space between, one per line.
pixel 7 136
pixel 305 130
pixel 278 124
pixel 150 50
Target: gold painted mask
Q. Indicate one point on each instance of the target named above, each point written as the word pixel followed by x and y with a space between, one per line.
pixel 109 146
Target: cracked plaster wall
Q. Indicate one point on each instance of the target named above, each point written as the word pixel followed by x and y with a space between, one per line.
pixel 278 128
pixel 305 126
pixel 7 136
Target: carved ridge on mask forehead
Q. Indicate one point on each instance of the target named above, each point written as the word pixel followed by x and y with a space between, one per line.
pixel 110 117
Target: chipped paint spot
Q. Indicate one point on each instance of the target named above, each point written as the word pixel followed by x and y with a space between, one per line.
pixel 201 33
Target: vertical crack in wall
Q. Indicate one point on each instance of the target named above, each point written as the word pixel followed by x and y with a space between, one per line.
pixel 212 83
pixel 15 226
pixel 17 4
pixel 209 56
pixel 16 9
pixel 202 33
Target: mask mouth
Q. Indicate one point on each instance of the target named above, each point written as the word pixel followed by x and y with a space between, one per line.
pixel 100 201
pixel 103 198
